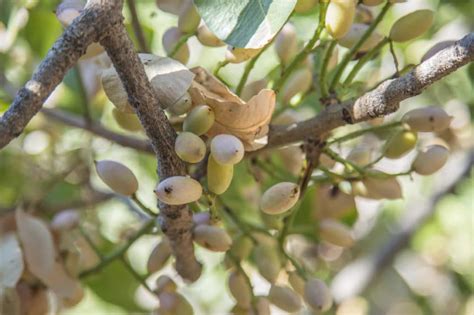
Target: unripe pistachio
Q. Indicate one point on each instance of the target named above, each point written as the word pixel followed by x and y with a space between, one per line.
pixel 431 160
pixel 335 233
pixel 339 17
pixel 127 121
pixel 372 2
pixel 317 295
pixel 74 298
pixel 117 176
pixel 165 284
pixel 262 306
pixel 37 302
pixel 326 161
pixel 287 117
pixel 284 298
pixel 159 256
pixel 189 147
pixel 68 10
pixel 355 33
pixel 189 18
pixel 170 39
pixel 227 149
pixel 400 144
pixel 219 176
pixel 411 25
pixel 115 91
pixel 240 289
pixel 286 44
pixel 241 247
pixel 331 202
pixel 293 158
pixel 363 15
pixel 427 119
pixel 65 220
pixel 299 81
pixel 296 282
pixel 199 120
pixel 280 198
pixel 380 188
pixel 436 49
pixel 212 238
pixel 333 61
pixel 360 155
pixel 267 261
pixel 181 106
pixel 201 218
pixel 170 6
pixel 208 38
pixel 238 54
pixel 305 6
pixel 172 303
pixel 178 190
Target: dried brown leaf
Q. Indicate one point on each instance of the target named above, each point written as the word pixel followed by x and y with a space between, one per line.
pixel 245 120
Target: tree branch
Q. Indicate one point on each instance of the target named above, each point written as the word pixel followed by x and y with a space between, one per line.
pixel 98 129
pixel 381 101
pixel 176 221
pixel 95 21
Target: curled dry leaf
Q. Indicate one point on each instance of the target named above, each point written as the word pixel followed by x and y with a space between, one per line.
pixel 169 79
pixel 11 260
pixel 246 120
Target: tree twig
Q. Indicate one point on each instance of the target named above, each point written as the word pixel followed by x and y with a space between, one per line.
pixel 97 129
pixel 120 251
pixel 383 100
pixel 306 50
pixel 95 22
pixel 176 221
pixel 347 58
pixel 137 28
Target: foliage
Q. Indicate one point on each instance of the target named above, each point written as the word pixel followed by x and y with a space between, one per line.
pixel 344 192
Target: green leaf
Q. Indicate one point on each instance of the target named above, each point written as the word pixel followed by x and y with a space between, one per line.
pixel 41 31
pixel 245 23
pixel 114 284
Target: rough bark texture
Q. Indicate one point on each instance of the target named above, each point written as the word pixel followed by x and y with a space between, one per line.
pixel 96 21
pixel 383 100
pixel 176 221
pixel 98 129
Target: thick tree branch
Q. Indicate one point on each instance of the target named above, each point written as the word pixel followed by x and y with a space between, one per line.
pixel 381 101
pixel 176 221
pixel 96 21
pixel 98 129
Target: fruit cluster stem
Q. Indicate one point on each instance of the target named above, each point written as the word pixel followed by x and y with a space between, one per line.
pixel 348 57
pixel 306 50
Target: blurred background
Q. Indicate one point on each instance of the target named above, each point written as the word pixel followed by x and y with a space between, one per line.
pixel 413 256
